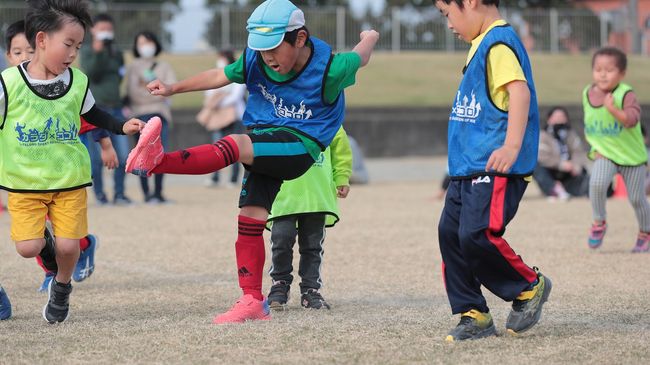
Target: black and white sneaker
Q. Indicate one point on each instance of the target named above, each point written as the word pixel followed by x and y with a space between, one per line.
pixel 57 308
pixel 279 295
pixel 312 299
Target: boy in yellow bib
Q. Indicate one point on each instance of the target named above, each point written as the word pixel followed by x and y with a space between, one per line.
pixel 43 164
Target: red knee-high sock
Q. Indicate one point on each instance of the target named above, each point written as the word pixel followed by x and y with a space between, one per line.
pixel 200 160
pixel 250 255
pixel 83 243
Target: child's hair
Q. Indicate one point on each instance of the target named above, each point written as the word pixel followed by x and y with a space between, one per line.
pixel 13 30
pixel 460 2
pixel 103 17
pixel 558 108
pixel 150 36
pixel 619 56
pixel 291 37
pixel 50 15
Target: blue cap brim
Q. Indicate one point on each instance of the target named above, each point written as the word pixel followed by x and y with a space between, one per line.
pixel 264 42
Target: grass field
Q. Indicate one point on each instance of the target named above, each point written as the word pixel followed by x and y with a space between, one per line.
pixel 431 79
pixel 163 272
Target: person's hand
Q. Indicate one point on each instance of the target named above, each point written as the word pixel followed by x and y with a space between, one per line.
pixel 133 126
pixel 157 87
pixel 109 157
pixel 566 166
pixel 502 159
pixel 369 33
pixel 342 191
pixel 609 102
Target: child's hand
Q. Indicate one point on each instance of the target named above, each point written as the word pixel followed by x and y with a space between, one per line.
pixel 609 102
pixel 133 126
pixel 342 191
pixel 502 159
pixel 157 87
pixel 108 154
pixel 369 33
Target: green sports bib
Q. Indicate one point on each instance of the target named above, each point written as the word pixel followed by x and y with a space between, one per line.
pixel 39 137
pixel 608 136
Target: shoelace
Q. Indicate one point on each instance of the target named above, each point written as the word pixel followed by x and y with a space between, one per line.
pixel 60 296
pixel 465 320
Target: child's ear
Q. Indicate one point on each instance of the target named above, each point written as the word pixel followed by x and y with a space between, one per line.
pixel 40 39
pixel 301 39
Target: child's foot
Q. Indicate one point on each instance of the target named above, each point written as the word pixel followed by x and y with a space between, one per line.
pixel 5 305
pixel 86 263
pixel 312 299
pixel 473 325
pixel 247 308
pixel 279 295
pixel 596 234
pixel 527 308
pixel 642 243
pixel 57 308
pixel 148 153
pixel 46 282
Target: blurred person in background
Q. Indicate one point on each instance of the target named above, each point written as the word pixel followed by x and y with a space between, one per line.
pixel 104 65
pixel 145 68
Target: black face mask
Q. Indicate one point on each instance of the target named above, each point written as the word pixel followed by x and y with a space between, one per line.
pixel 559 130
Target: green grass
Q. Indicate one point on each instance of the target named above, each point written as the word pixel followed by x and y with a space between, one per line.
pixel 431 78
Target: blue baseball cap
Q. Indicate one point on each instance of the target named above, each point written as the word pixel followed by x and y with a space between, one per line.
pixel 270 21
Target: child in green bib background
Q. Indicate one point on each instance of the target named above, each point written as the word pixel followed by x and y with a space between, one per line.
pixel 305 207
pixel 43 164
pixel 613 129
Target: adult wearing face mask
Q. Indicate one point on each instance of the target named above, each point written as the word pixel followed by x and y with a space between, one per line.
pixel 561 170
pixel 222 113
pixel 104 65
pixel 145 68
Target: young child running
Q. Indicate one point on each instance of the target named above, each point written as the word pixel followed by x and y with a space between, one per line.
pixel 44 166
pixel 18 52
pixel 612 113
pixel 303 208
pixel 296 106
pixel 493 138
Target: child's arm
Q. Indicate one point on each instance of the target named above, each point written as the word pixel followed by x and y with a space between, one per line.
pixel 364 48
pixel 503 158
pixel 631 112
pixel 341 154
pixel 206 80
pixel 108 154
pixel 102 119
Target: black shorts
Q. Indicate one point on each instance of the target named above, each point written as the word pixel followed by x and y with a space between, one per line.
pixel 279 155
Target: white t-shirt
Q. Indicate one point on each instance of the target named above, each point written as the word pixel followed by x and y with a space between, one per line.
pixel 50 88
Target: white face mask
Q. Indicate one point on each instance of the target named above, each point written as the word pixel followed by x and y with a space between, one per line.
pixel 221 63
pixel 147 50
pixel 104 36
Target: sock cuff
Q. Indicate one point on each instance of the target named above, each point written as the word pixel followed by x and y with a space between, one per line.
pixel 228 147
pixel 250 226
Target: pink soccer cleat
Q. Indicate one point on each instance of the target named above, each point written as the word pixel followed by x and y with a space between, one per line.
pixel 642 243
pixel 148 153
pixel 247 308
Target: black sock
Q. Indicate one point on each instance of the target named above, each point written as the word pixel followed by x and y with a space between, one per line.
pixel 47 254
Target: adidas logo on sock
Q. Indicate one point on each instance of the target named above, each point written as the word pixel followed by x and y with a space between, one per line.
pixel 243 272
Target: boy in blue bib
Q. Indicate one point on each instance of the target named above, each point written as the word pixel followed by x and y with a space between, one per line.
pixel 493 138
pixel 296 106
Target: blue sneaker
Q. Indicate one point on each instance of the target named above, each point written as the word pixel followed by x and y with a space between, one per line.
pixel 46 282
pixel 86 263
pixel 5 305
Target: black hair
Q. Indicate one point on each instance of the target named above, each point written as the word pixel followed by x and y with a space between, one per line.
pixel 460 2
pixel 228 54
pixel 558 108
pixel 50 16
pixel 291 37
pixel 103 17
pixel 619 57
pixel 149 36
pixel 13 30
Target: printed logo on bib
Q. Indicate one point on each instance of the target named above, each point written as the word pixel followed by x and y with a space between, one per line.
pixel 283 111
pixel 50 133
pixel 467 111
pixel 598 128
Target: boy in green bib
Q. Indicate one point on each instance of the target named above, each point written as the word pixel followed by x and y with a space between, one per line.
pixel 43 164
pixel 612 128
pixel 305 207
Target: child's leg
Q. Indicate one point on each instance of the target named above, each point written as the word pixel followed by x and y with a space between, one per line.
pixel 463 289
pixel 311 235
pixel 488 205
pixel 601 176
pixel 283 237
pixel 67 253
pixel 634 178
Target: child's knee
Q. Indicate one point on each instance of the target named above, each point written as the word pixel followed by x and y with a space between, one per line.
pixel 67 247
pixel 30 248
